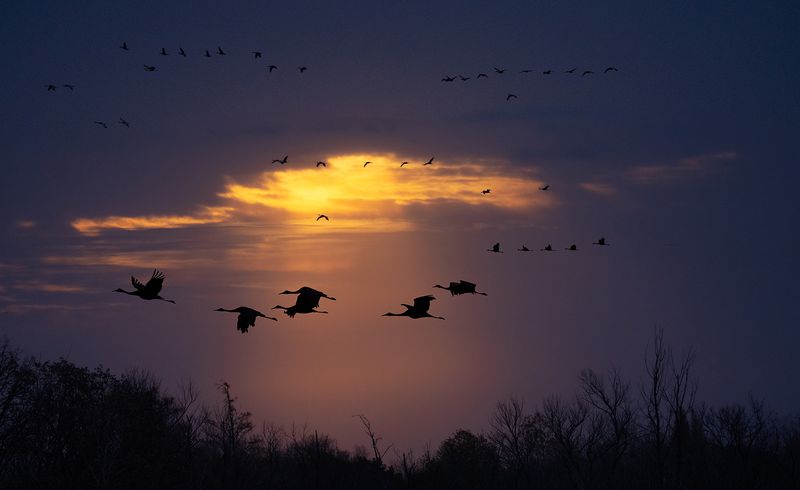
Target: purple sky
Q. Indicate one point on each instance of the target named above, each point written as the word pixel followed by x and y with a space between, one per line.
pixel 685 160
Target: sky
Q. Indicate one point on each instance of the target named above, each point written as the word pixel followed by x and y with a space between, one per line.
pixel 684 159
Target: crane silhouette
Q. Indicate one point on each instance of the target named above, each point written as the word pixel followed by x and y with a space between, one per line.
pixel 182 52
pixel 124 123
pixel 322 216
pixel 548 248
pixel 307 300
pixel 101 123
pixel 461 287
pixel 164 52
pixel 482 75
pixel 306 292
pixel 256 54
pixel 207 55
pixel 571 70
pixel 418 310
pixel 523 249
pixel 272 67
pixel 322 164
pixel 124 46
pixel 495 248
pixel 610 68
pixel 448 79
pixel 247 317
pixel 150 290
pixel 587 72
pixel 281 161
pixel 149 68
pixel 51 87
pixel 463 78
pixel 429 162
pixel 547 72
pixel 486 191
pixel 545 188
pixel 510 96
pixel 499 71
pixel 403 163
pixel 220 51
pixel 600 241
pixel 572 247
pixel 69 86
pixel 302 68
pixel 366 163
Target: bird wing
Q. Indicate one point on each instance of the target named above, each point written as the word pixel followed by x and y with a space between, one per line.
pixel 423 303
pixel 244 322
pixel 137 284
pixel 156 282
pixel 468 285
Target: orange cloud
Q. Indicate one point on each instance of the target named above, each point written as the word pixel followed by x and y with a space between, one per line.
pixel 207 215
pixel 599 188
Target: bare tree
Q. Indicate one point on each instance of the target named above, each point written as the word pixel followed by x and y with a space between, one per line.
pixel 377 454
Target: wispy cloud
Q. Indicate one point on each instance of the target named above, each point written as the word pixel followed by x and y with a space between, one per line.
pixel 39 286
pixel 696 166
pixel 599 188
pixel 207 215
pixel 26 224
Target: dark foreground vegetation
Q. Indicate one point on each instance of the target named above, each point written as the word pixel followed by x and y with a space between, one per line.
pixel 64 426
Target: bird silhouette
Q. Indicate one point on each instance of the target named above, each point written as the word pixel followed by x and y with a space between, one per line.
pixel 307 300
pixel 150 290
pixel 419 309
pixel 545 188
pixel 51 87
pixel 272 67
pixel 207 55
pixel 610 68
pixel 124 123
pixel 182 52
pixel 256 54
pixel 600 241
pixel 149 68
pixel 526 70
pixel 482 75
pixel 547 72
pixel 322 164
pixel 322 216
pixel 101 123
pixel 499 71
pixel 486 191
pixel 495 248
pixel 571 70
pixel 429 162
pixel 247 317
pixel 510 96
pixel 366 163
pixel 523 249
pixel 69 86
pixel 448 79
pixel 282 161
pixel 587 72
pixel 463 79
pixel 297 308
pixel 124 46
pixel 461 287
pixel 403 163
pixel 573 248
pixel 220 51
pixel 302 68
pixel 548 248
pixel 163 52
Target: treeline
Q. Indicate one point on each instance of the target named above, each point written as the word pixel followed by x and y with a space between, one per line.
pixel 64 426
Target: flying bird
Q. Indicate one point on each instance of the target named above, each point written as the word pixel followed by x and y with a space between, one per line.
pixel 307 300
pixel 510 96
pixel 220 51
pixel 302 68
pixel 461 287
pixel 464 79
pixel 429 162
pixel 282 161
pixel 448 79
pixel 495 248
pixel 323 164
pixel 601 241
pixel 572 247
pixel 69 86
pixel 322 216
pixel 548 248
pixel 163 52
pixel 571 70
pixel 499 71
pixel 418 310
pixel 482 75
pixel 366 163
pixel 101 123
pixel 523 249
pixel 207 55
pixel 610 68
pixel 587 72
pixel 247 317
pixel 486 191
pixel 124 123
pixel 150 290
pixel 547 72
pixel 149 68
pixel 256 54
pixel 272 67
pixel 544 188
pixel 124 46
pixel 526 70
pixel 50 87
pixel 403 163
pixel 182 52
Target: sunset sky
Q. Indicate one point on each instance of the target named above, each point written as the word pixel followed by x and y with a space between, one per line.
pixel 685 159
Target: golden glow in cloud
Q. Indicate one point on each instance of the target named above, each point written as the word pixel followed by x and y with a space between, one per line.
pixel 207 215
pixel 355 197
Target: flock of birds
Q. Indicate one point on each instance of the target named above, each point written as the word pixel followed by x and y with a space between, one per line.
pixel 501 71
pixel 308 299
